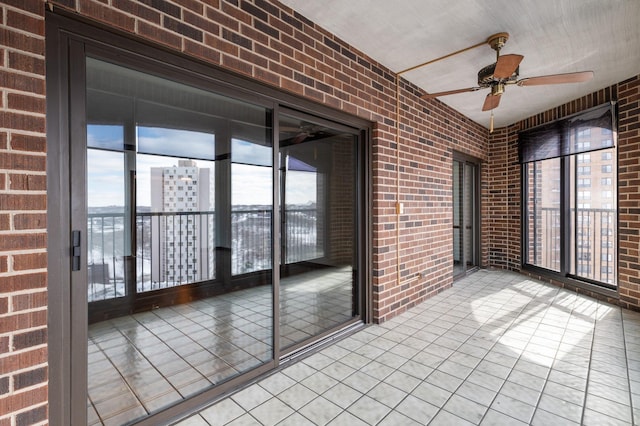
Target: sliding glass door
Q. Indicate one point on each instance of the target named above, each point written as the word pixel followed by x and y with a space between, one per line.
pixel 319 194
pixel 465 216
pixel 211 232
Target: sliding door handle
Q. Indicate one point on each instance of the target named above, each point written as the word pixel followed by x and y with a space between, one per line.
pixel 76 248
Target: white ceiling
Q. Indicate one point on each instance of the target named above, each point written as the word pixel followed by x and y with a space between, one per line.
pixel 555 36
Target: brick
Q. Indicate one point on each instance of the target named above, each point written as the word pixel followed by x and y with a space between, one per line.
pixel 25 22
pixel 5 219
pixel 182 28
pixel 164 7
pixel 29 378
pixel 23 321
pixel 4 267
pixel 201 51
pixel 4 385
pixel 22 202
pixel 236 38
pixel 19 121
pixel 26 103
pixel 20 401
pixel 21 41
pixel 31 6
pixel 4 345
pixel 22 82
pixel 4 305
pixel 139 10
pixel 30 339
pixel 23 262
pixel 204 24
pixel 26 301
pixel 30 221
pixel 22 282
pixel 27 182
pixel 160 35
pixel 70 4
pixel 12 161
pixel 26 63
pixel 32 416
pixel 105 14
pixel 193 5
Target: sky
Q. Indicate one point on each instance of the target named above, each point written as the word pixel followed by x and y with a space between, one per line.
pixel 250 182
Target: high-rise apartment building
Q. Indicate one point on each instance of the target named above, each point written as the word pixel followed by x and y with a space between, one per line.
pixel 182 225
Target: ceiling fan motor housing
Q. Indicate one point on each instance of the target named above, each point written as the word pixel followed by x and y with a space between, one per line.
pixel 486 78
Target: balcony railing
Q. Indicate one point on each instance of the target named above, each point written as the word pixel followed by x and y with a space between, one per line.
pixel 180 247
pixel 592 242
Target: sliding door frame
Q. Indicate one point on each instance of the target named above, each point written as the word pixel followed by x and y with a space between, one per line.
pixel 67 37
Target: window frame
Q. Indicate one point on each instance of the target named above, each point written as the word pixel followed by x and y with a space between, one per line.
pixel 569 190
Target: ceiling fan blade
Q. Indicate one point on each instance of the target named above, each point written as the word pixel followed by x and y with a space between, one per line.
pixel 491 102
pixel 506 65
pixel 449 92
pixel 572 77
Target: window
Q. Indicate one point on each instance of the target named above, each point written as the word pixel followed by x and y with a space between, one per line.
pixel 584 195
pixel 558 164
pixel 583 145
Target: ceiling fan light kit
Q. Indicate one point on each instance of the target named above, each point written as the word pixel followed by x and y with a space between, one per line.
pixel 505 71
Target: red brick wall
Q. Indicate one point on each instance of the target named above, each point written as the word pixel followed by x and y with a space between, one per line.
pixel 412 252
pixel 502 223
pixel 628 190
pixel 23 204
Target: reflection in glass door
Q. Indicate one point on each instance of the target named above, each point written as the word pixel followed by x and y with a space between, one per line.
pixel 178 220
pixel 465 216
pixel 319 231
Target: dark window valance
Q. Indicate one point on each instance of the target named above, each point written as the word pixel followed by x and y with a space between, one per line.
pixel 587 131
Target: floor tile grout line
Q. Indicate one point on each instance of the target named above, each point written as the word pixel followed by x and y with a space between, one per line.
pixel 586 388
pixel 126 383
pixel 547 380
pixel 626 359
pixel 533 299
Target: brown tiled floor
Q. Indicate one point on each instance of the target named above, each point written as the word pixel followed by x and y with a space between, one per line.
pixel 496 349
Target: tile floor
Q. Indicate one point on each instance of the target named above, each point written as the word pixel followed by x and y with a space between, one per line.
pixel 496 349
pixel 141 363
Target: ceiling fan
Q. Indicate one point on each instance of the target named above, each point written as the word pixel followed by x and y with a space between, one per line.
pixel 302 132
pixel 505 71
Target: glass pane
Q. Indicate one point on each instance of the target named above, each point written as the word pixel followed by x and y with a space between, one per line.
pixel 108 236
pixel 167 319
pixel 458 196
pixel 469 215
pixel 251 211
pixel 593 213
pixel 318 188
pixel 543 213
